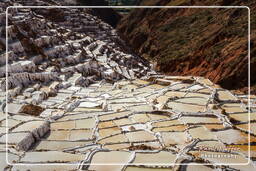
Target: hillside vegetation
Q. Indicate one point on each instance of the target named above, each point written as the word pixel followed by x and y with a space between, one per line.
pixel 203 42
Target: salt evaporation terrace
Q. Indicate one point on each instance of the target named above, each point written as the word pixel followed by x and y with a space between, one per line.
pixel 77 96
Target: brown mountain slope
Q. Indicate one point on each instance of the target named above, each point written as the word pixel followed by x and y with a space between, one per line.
pixel 205 42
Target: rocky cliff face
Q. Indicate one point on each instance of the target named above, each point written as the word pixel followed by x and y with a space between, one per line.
pixel 205 42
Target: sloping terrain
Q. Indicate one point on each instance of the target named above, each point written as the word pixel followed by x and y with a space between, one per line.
pixel 202 42
pixel 77 96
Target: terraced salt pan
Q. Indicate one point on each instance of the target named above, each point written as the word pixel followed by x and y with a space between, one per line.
pixel 129 94
pixel 205 90
pixel 85 123
pixel 199 119
pixel 163 82
pixel 105 88
pixel 11 158
pixel 231 136
pixel 114 115
pixel 176 128
pixel 172 138
pixel 70 116
pixel 124 121
pixel 65 91
pixel 51 112
pixel 140 82
pixel 124 100
pixel 47 156
pixel 58 145
pixel 197 95
pixel 63 125
pixel 246 127
pixel 53 101
pixel 2 117
pixel 181 107
pixel 88 105
pixel 11 123
pixel 152 144
pixel 93 99
pixel 109 131
pixel 195 87
pixel 2 157
pixel 135 127
pixel 95 94
pixel 214 126
pixel 225 96
pixel 13 138
pixel 45 167
pixel 119 106
pixel 178 78
pixel 202 133
pixel 139 136
pixel 28 126
pixel 2 129
pixel 211 145
pixel 146 89
pixel 243 117
pixel 13 108
pixel 113 93
pixel 59 96
pixel 79 135
pixel 106 124
pixel 204 81
pixel 233 108
pixel 114 139
pixel 193 100
pixel 50 102
pixel 81 109
pixel 140 118
pixel 140 108
pixel 175 94
pixel 129 87
pixel 59 135
pixel 166 123
pixel 179 86
pixel 134 168
pixel 151 158
pixel 155 117
pixel 195 166
pixel 117 146
pixel 163 99
pixel 119 157
pixel 156 86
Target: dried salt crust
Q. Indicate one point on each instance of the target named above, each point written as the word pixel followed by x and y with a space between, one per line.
pixel 110 115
